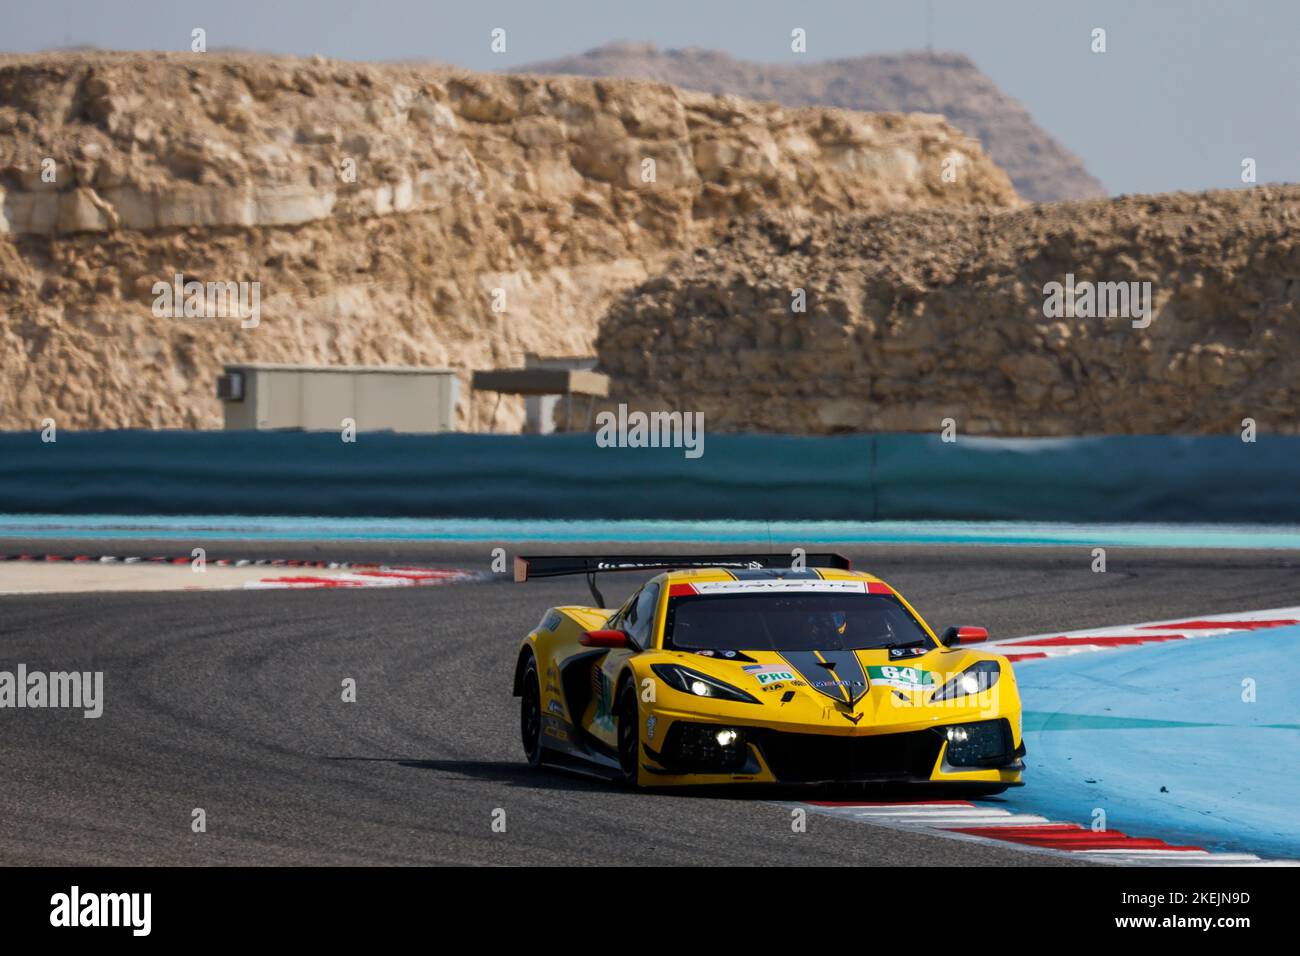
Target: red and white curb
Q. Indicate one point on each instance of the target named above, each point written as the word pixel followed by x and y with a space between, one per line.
pixel 343 574
pixel 1061 643
pixel 215 562
pixel 376 576
pixel 989 824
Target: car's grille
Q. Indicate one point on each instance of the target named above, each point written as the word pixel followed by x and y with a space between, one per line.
pixel 694 748
pixel 803 758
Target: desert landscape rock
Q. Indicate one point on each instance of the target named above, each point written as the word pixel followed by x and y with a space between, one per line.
pixel 917 317
pixel 392 214
pixel 1041 169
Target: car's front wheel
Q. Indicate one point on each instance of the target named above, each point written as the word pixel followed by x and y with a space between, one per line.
pixel 629 734
pixel 530 714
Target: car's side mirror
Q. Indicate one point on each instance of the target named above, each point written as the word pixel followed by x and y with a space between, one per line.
pixel 963 635
pixel 605 637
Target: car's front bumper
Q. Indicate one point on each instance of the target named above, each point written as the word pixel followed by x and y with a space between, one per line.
pixel 981 752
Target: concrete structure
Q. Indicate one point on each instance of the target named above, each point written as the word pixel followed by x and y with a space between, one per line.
pixel 539 410
pixel 557 380
pixel 322 397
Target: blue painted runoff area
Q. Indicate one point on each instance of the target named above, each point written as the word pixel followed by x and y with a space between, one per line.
pixel 282 528
pixel 1161 738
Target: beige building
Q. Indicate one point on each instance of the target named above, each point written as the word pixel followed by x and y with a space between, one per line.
pixel 326 397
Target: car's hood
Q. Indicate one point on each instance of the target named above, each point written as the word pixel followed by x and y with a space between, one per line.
pixel 885 686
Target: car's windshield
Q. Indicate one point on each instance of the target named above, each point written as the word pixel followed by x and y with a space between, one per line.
pixel 790 622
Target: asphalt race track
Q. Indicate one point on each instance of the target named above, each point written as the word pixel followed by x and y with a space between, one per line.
pixel 230 701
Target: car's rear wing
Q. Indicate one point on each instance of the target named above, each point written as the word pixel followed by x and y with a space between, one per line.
pixel 550 566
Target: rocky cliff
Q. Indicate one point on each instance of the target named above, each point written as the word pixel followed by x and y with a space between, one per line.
pixel 1041 169
pixel 992 319
pixel 390 214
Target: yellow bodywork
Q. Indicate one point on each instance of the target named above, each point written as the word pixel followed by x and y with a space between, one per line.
pixel 896 701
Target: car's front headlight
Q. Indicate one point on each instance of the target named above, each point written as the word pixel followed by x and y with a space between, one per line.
pixel 975 679
pixel 700 685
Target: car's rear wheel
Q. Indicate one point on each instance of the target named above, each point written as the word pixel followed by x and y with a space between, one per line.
pixel 629 734
pixel 530 714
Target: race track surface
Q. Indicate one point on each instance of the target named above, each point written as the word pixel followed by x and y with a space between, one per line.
pixel 230 701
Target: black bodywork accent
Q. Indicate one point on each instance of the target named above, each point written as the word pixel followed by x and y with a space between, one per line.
pixel 814 758
pixel 693 748
pixel 988 746
pixel 834 674
pixel 796 758
pixel 775 574
pixel 576 681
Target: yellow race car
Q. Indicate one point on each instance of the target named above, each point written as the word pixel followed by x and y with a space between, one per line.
pixel 761 669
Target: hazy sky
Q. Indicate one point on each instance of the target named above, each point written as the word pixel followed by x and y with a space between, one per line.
pixel 1184 92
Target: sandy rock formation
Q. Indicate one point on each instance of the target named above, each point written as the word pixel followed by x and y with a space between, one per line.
pixel 382 209
pixel 1041 169
pixel 913 318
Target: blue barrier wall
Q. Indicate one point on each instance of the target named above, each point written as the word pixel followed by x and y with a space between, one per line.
pixel 773 477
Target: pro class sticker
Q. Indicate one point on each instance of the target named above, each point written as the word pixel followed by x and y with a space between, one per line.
pixel 766 674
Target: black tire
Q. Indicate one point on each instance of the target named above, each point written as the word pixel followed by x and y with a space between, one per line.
pixel 629 734
pixel 530 714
